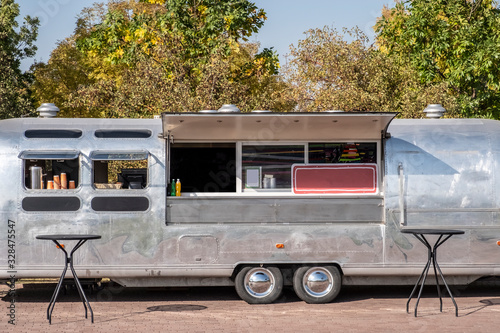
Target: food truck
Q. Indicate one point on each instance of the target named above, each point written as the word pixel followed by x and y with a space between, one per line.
pixel 310 200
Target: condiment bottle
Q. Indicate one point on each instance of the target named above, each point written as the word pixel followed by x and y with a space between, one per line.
pixel 172 188
pixel 178 188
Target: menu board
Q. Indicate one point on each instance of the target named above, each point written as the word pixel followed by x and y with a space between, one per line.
pixel 356 178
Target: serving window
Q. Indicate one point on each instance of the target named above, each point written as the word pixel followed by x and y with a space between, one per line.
pixel 269 166
pixel 204 167
pixel 341 142
pixel 275 167
pixel 120 169
pixel 51 169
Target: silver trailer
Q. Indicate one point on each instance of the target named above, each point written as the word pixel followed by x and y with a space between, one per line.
pixel 313 200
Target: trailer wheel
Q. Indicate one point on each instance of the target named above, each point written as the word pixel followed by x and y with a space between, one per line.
pixel 259 285
pixel 318 284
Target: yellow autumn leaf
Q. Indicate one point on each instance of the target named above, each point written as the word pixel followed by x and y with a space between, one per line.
pixel 140 33
pixel 127 37
pixel 202 9
pixel 441 16
pixel 119 53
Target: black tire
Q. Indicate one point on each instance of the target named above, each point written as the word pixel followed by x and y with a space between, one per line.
pixel 317 284
pixel 259 285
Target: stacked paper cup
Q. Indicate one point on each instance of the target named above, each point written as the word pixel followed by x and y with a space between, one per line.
pixel 57 182
pixel 64 181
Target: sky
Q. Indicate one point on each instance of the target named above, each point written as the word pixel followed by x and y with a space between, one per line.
pixel 287 20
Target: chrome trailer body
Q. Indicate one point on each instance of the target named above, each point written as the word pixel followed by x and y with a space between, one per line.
pixel 439 173
pixel 444 173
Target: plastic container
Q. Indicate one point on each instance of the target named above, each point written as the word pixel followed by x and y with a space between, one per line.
pixel 172 188
pixel 178 188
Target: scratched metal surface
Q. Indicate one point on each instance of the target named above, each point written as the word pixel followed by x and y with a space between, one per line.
pixel 449 175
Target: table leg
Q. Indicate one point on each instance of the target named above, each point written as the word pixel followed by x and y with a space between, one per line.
pixel 53 299
pixel 82 295
pixel 425 272
pixel 77 281
pixel 442 276
pixel 421 282
pixel 434 263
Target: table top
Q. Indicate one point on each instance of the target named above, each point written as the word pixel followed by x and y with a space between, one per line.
pixel 428 231
pixel 68 237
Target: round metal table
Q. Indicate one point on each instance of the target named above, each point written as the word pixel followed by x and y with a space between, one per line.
pixel 444 235
pixel 69 262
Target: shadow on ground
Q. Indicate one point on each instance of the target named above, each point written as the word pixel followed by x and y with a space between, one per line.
pixel 110 292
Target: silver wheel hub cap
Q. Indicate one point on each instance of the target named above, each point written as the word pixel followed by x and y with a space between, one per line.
pixel 318 282
pixel 259 282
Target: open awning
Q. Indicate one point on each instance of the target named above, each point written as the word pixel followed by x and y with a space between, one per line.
pixel 320 126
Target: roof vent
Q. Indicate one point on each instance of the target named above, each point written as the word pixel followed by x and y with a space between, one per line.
pixel 229 108
pixel 261 111
pixel 434 111
pixel 48 110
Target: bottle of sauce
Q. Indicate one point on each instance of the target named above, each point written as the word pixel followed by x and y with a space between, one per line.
pixel 172 188
pixel 178 188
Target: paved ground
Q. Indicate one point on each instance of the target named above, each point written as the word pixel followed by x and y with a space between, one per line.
pixel 357 309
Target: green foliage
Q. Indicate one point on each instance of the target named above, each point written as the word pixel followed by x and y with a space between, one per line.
pixel 66 70
pixel 15 45
pixel 148 89
pixel 130 29
pixel 451 41
pixel 327 72
pixel 131 59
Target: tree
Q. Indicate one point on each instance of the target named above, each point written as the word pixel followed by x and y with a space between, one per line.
pixel 15 45
pixel 327 72
pixel 132 59
pixel 66 70
pixel 130 29
pixel 147 89
pixel 69 69
pixel 451 41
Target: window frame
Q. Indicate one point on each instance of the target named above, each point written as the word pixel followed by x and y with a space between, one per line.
pixel 239 165
pixel 256 192
pixel 52 155
pixel 120 155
